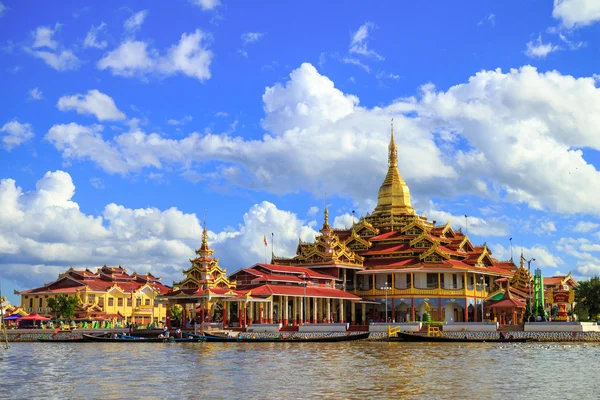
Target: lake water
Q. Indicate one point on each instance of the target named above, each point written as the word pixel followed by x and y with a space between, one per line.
pixel 352 370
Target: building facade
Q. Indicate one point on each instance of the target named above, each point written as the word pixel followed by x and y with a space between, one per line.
pixel 110 293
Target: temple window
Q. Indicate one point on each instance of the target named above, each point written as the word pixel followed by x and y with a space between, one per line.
pixel 454 281
pixel 111 302
pixel 138 302
pixel 120 302
pixel 155 304
pixel 432 281
pixel 147 302
pixel 91 298
pixel 31 303
pixel 129 302
pixel 40 303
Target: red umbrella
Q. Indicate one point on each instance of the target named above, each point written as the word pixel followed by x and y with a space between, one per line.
pixel 34 317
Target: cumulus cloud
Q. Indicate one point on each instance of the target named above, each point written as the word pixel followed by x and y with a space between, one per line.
pixel 91 39
pixel 538 49
pixel 358 43
pixel 36 94
pixel 576 13
pixel 14 134
pixel 94 102
pixel 485 126
pixel 135 22
pixel 43 232
pixel 190 57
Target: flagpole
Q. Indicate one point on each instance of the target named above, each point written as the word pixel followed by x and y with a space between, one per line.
pixel 265 249
pixel 272 244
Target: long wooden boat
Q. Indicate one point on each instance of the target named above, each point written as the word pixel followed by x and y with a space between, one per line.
pixel 137 339
pixel 410 337
pixel 75 340
pixel 286 339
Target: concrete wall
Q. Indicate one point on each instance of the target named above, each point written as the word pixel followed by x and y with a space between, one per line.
pixel 405 326
pixel 322 328
pixel 561 327
pixel 471 327
pixel 263 328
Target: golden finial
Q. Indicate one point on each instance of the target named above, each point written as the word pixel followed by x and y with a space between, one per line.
pixel 204 250
pixel 326 215
pixel 522 259
pixel 393 149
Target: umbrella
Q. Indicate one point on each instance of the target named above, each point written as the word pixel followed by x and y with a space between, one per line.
pixel 12 317
pixel 34 317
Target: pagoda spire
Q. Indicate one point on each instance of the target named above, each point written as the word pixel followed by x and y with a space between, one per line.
pixel 204 250
pixel 394 196
pixel 392 150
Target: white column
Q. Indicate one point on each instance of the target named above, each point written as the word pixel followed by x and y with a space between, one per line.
pixel 315 309
pixel 342 316
pixel 328 310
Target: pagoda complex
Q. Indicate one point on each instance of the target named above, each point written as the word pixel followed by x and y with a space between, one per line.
pixel 398 257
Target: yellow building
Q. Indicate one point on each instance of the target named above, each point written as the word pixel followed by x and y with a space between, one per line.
pixel 110 293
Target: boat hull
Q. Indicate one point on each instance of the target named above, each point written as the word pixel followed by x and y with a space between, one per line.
pixel 104 339
pixel 409 337
pixel 323 339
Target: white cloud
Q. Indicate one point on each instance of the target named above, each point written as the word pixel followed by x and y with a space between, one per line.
pixel 60 60
pixel 357 62
pixel 135 22
pixel 538 49
pixel 358 43
pixel 490 19
pixel 181 121
pixel 385 75
pixel 576 13
pixel 312 211
pixel 221 114
pixel 476 226
pixel 36 94
pixel 543 257
pixel 15 134
pixel 206 4
pixel 98 183
pixel 2 9
pixel 589 269
pixel 585 226
pixel 91 39
pixel 501 114
pixel 251 37
pixel 94 102
pixel 344 221
pixel 190 57
pixel 43 232
pixel 313 126
pixel 43 37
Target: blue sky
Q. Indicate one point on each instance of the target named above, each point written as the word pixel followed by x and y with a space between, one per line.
pixel 121 126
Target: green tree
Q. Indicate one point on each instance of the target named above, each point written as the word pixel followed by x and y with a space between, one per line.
pixel 63 306
pixel 588 294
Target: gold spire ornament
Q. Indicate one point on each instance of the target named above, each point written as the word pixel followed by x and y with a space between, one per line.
pixel 394 196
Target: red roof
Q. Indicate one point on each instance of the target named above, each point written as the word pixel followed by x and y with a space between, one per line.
pixel 298 291
pixel 508 303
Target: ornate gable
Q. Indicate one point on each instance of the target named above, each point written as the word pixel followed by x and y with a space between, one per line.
pixel 424 241
pixel 435 254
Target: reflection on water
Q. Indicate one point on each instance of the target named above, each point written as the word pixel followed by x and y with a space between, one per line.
pixel 349 370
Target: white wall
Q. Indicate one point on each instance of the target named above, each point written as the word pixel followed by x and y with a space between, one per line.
pixel 561 327
pixel 322 328
pixel 471 327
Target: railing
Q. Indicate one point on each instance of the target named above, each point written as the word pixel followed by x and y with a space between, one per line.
pixel 422 292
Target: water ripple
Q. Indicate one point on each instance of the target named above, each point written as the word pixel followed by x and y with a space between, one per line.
pixel 353 370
